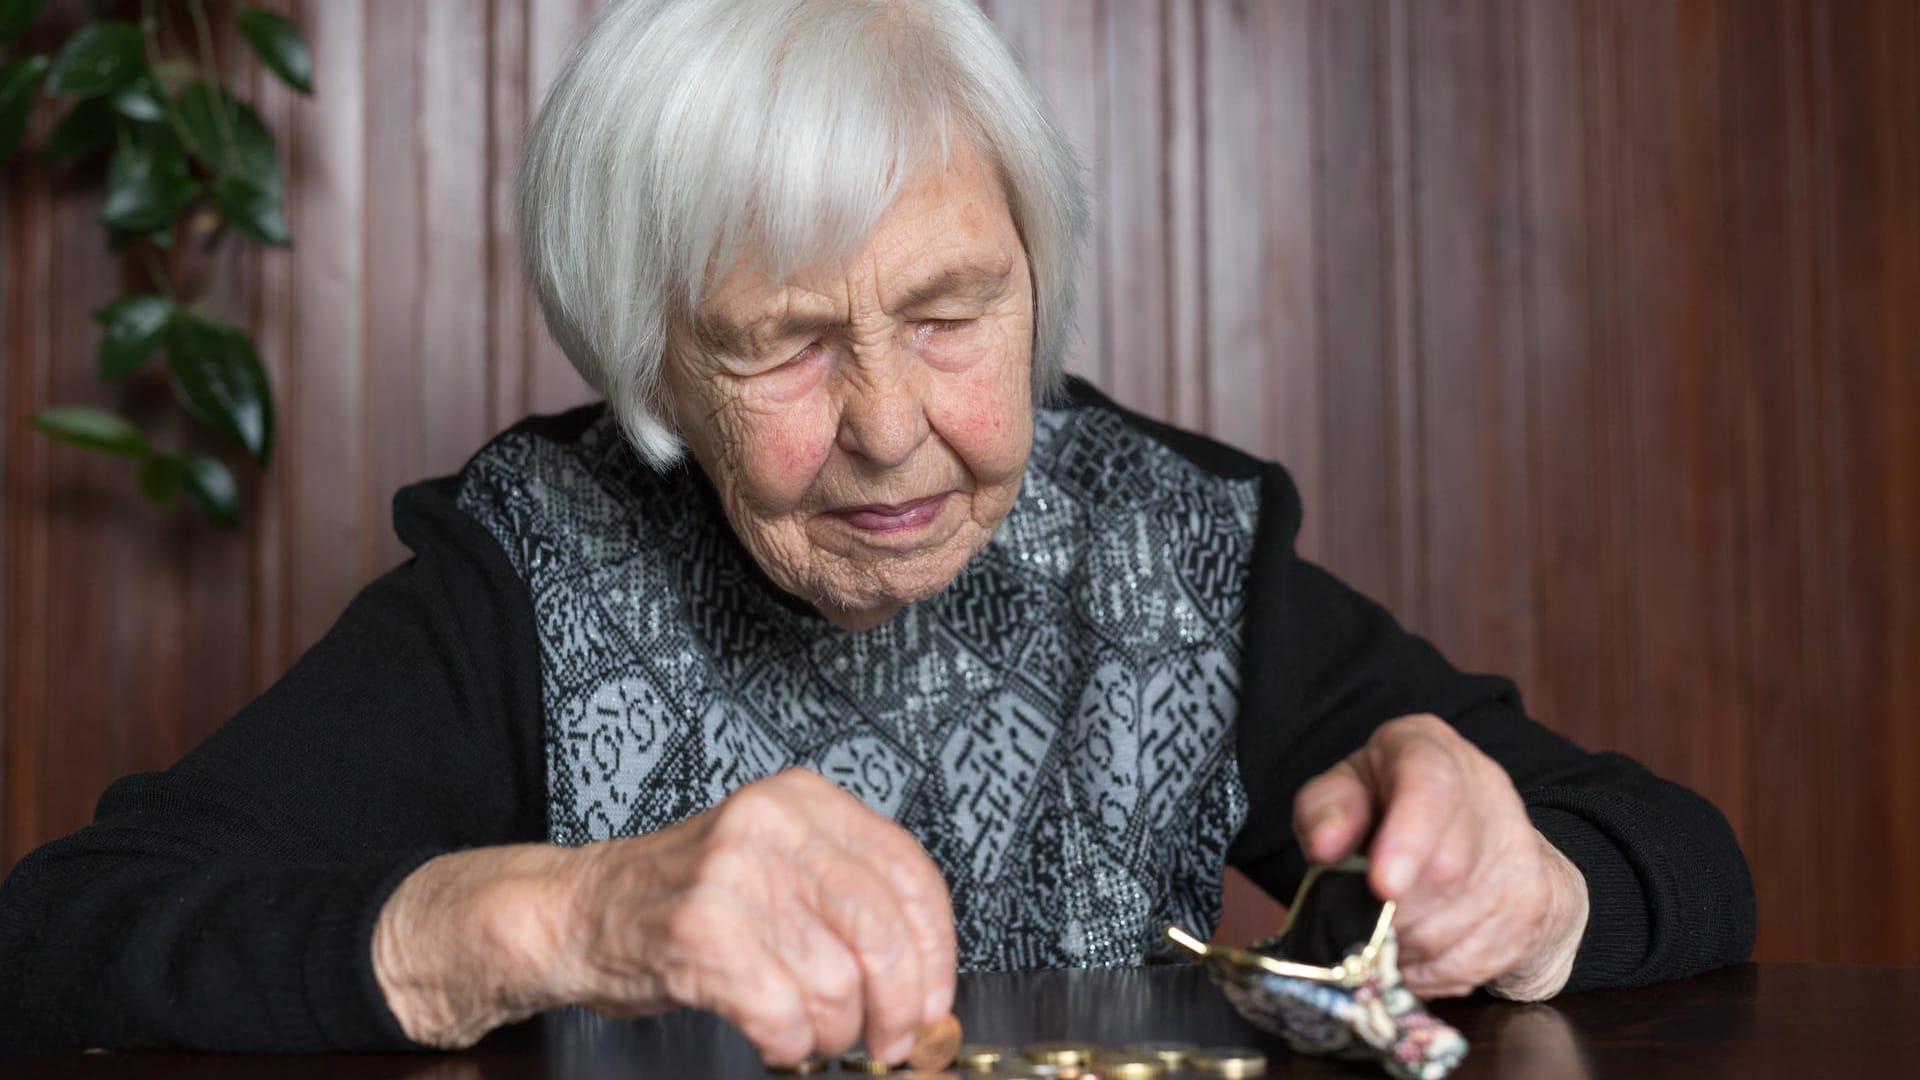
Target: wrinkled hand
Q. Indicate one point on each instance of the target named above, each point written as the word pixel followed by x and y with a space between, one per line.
pixel 791 909
pixel 1483 899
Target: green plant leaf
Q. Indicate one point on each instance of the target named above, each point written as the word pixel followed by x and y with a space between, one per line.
pixel 278 44
pixel 94 429
pixel 160 478
pixel 140 100
pixel 86 128
pixel 148 184
pixel 226 135
pixel 248 209
pixel 209 486
pixel 18 16
pixel 135 326
pixel 16 99
pixel 198 110
pixel 218 377
pixel 101 58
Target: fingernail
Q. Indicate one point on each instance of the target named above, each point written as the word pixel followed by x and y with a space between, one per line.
pixel 1396 873
pixel 1322 835
pixel 897 1050
pixel 935 1006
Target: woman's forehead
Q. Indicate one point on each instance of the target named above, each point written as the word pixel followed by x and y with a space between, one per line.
pixel 949 234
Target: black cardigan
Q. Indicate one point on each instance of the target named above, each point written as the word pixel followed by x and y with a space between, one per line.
pixel 229 902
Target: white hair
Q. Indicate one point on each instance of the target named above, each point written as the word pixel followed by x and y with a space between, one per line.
pixel 685 135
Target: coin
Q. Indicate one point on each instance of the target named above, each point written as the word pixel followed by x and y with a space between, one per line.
pixel 1122 1065
pixel 858 1061
pixel 1073 1055
pixel 934 1046
pixel 1172 1054
pixel 982 1057
pixel 1027 1070
pixel 1229 1061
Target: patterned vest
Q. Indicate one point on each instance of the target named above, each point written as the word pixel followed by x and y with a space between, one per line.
pixel 1056 727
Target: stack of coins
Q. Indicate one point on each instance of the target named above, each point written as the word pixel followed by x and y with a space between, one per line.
pixel 1171 1054
pixel 1227 1061
pixel 983 1057
pixel 938 1053
pixel 1127 1065
pixel 1067 1058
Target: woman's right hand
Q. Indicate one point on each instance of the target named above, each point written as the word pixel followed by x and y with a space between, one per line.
pixel 792 910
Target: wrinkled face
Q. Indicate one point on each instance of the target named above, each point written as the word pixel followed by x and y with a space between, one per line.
pixel 867 426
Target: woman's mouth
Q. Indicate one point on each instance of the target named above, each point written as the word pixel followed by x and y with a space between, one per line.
pixel 893 517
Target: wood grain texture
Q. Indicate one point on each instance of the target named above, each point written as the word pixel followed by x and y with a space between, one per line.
pixel 1590 331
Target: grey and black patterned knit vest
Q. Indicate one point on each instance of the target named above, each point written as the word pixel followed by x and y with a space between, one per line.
pixel 1056 727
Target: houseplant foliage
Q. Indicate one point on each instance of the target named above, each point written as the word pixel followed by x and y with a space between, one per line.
pixel 187 162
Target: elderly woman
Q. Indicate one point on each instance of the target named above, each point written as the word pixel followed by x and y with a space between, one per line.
pixel 844 646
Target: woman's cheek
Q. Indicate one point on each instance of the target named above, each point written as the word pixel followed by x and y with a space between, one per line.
pixel 785 451
pixel 986 415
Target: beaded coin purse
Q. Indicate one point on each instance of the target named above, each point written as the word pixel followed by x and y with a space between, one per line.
pixel 1329 983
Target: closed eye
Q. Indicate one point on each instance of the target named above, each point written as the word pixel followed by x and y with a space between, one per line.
pixel 945 326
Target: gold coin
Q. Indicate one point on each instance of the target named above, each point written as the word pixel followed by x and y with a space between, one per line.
pixel 1072 1055
pixel 982 1057
pixel 809 1066
pixel 858 1061
pixel 1229 1061
pixel 1171 1054
pixel 934 1046
pixel 1123 1065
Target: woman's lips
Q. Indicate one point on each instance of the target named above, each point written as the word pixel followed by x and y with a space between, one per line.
pixel 886 518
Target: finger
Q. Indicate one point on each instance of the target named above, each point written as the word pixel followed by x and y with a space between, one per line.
pixel 727 969
pixel 917 883
pixel 859 907
pixel 1332 812
pixel 894 854
pixel 831 982
pixel 1449 867
pixel 1422 789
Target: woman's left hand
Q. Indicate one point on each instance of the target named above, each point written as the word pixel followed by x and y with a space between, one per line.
pixel 1483 899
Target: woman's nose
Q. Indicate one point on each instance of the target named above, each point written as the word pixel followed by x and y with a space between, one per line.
pixel 883 416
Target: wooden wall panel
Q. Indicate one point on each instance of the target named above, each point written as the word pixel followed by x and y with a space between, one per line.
pixel 1590 331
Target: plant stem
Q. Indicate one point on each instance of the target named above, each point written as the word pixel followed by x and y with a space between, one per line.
pixel 159 272
pixel 210 70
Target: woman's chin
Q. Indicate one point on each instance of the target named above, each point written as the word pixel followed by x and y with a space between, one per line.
pixel 880 593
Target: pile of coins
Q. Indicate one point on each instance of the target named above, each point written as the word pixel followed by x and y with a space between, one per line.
pixel 1063 1061
pixel 938 1052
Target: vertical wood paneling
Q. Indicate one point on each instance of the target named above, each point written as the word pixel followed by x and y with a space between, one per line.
pixel 451 335
pixel 1853 462
pixel 1261 296
pixel 1588 330
pixel 1765 273
pixel 1184 166
pixel 394 269
pixel 322 454
pixel 1895 46
pixel 1564 484
pixel 1473 438
pixel 552 28
pixel 1132 263
pixel 1063 45
pixel 512 315
pixel 1357 510
pixel 1677 419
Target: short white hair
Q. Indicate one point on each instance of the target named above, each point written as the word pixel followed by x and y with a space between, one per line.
pixel 685 135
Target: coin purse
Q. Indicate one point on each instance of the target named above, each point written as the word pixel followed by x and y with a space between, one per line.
pixel 1329 982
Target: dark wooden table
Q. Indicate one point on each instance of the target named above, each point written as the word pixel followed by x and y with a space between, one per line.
pixel 1754 1021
